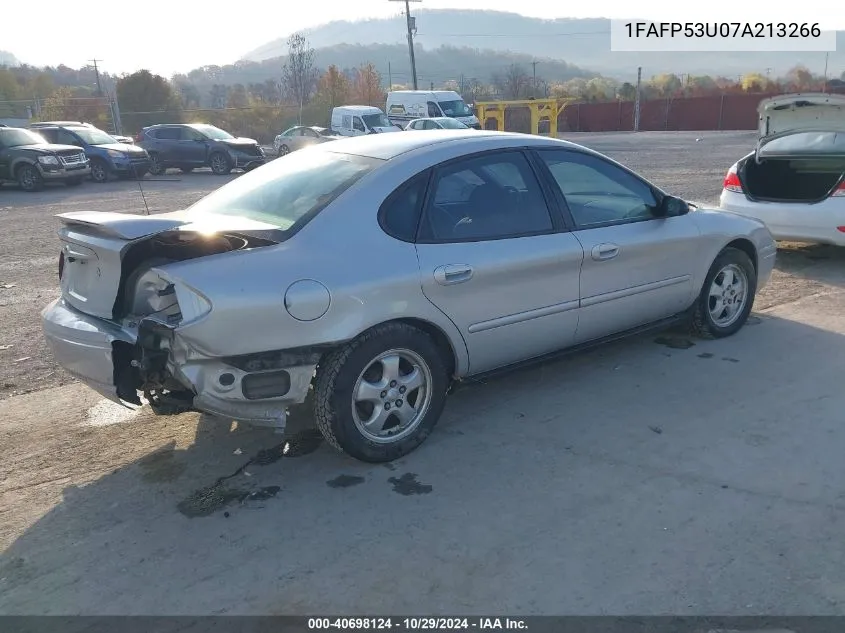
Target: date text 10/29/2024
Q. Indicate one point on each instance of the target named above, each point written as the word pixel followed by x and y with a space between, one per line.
pixel 416 624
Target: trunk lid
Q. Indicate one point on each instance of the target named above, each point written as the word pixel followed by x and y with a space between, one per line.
pixel 801 126
pixel 94 245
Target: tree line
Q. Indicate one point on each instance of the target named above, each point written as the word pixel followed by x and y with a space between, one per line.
pixel 302 91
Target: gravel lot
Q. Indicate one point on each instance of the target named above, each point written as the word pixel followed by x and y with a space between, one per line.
pixel 656 475
pixel 29 256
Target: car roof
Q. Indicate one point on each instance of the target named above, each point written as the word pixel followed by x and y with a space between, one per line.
pixel 61 124
pixel 389 145
pixel 359 108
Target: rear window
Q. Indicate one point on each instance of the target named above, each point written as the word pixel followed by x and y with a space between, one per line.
pixel 289 191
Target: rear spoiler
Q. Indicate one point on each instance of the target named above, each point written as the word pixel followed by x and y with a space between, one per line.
pixel 119 225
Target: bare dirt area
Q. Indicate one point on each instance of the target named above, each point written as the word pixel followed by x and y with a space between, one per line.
pixel 656 475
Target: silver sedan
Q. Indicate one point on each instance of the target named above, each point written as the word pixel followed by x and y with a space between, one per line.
pixel 301 136
pixel 436 123
pixel 368 275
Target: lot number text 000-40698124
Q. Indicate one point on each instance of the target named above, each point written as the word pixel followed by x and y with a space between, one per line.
pixel 435 624
pixel 720 36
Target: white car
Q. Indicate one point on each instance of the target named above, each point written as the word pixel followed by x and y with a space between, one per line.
pixel 793 181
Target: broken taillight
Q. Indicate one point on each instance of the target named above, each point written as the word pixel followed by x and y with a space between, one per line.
pixel 61 264
pixel 839 191
pixel 732 182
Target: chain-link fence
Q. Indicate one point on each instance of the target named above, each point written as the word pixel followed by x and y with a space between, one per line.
pixel 99 111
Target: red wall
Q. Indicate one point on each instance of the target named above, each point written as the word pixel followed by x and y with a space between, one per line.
pixel 725 112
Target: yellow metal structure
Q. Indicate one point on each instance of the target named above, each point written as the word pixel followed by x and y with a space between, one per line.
pixel 540 109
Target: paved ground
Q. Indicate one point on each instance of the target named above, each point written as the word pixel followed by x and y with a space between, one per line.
pixel 648 477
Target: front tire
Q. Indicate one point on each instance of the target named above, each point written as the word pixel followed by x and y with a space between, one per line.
pixel 726 297
pixel 284 150
pixel 99 171
pixel 29 178
pixel 220 164
pixel 378 397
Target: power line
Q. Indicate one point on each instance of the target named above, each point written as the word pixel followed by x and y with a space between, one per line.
pixel 532 35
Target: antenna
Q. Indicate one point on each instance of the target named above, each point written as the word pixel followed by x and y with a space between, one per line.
pixel 141 189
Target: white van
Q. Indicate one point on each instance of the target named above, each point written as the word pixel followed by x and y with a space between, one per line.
pixel 403 106
pixel 354 120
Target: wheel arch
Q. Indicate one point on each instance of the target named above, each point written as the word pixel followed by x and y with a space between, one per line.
pixel 746 246
pixel 19 162
pixel 453 352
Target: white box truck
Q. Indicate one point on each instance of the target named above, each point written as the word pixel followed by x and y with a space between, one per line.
pixel 355 120
pixel 403 106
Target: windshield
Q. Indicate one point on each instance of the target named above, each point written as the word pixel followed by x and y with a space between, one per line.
pixel 376 120
pixel 287 192
pixel 13 137
pixel 93 136
pixel 451 124
pixel 455 108
pixel 213 132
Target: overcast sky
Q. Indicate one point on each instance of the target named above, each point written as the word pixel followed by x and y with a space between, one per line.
pixel 172 36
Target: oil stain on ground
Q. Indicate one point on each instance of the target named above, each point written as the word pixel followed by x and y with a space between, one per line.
pixel 705 355
pixel 408 485
pixel 207 501
pixel 674 342
pixel 345 481
pixel 303 443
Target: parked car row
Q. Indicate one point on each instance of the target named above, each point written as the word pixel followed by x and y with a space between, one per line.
pixel 410 110
pixel 70 151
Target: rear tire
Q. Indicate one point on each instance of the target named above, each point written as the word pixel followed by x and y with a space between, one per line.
pixel 726 297
pixel 29 178
pixel 379 397
pixel 156 167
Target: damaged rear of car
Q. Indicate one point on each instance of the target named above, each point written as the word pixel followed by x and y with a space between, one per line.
pixel 793 181
pixel 195 309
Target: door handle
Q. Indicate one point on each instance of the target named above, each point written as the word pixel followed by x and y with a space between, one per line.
pixel 452 274
pixel 605 251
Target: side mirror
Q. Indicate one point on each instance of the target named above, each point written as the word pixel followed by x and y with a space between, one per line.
pixel 672 207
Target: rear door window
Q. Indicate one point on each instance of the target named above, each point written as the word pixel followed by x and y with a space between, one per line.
pixel 167 133
pixel 487 197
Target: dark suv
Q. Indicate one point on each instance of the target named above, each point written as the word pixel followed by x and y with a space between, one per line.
pixel 28 159
pixel 188 146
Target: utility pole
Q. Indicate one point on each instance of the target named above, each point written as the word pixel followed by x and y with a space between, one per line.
pixel 97 73
pixel 637 100
pixel 412 27
pixel 534 91
pixel 389 78
pixel 824 89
